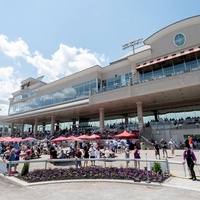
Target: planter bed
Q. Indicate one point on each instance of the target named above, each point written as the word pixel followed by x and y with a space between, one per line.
pixel 93 172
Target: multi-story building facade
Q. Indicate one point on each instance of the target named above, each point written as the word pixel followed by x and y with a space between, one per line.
pixel 157 86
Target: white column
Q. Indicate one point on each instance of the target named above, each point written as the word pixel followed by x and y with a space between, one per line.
pixel 101 119
pixel 52 124
pixel 140 114
pixel 35 126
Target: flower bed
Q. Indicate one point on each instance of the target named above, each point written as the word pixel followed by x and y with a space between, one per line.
pixel 92 173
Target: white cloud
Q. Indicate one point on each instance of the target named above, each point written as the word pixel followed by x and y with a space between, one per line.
pixel 13 49
pixel 65 61
pixel 8 84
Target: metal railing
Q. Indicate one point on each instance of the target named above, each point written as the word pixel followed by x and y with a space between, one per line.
pixel 166 164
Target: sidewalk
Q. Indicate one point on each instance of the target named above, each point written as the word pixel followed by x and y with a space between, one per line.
pixel 183 183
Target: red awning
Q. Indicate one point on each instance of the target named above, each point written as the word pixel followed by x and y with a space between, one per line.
pixel 168 57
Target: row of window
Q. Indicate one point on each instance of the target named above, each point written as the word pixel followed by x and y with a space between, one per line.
pixel 25 95
pixel 171 67
pixel 65 95
pixel 68 94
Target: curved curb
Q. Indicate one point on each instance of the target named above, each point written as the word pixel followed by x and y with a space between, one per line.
pixel 23 183
pixel 173 182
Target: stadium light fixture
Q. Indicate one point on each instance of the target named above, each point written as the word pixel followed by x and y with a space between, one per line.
pixel 132 44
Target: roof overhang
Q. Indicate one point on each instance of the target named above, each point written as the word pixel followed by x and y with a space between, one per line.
pixel 168 57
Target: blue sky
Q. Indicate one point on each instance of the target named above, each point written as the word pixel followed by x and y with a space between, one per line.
pixel 56 38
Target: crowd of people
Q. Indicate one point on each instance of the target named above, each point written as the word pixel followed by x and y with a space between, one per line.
pixel 14 151
pixel 94 150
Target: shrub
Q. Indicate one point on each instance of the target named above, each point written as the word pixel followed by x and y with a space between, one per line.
pixel 25 169
pixel 157 168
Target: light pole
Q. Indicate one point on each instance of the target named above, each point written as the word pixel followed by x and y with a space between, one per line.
pixel 132 44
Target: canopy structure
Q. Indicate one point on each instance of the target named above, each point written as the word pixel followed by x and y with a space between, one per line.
pixel 7 138
pixel 73 138
pixel 59 139
pixel 16 139
pixel 84 137
pixel 29 139
pixel 2 139
pixel 126 134
pixel 10 139
pixel 95 137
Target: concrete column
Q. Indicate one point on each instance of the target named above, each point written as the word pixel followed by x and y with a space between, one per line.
pixel 32 129
pixel 3 129
pixel 36 126
pixel 57 126
pixel 52 124
pixel 155 112
pixel 11 128
pixel 74 123
pixel 140 114
pixel 126 119
pixel 43 126
pixel 22 127
pixel 101 119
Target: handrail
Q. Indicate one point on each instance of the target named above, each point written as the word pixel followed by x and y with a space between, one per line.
pixel 146 139
pixel 148 162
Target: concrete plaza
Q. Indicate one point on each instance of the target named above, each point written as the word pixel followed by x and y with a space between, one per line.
pixel 179 187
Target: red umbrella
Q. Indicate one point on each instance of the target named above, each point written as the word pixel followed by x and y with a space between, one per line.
pixel 59 139
pixel 7 139
pixel 72 138
pixel 95 137
pixel 16 139
pixel 2 139
pixel 126 134
pixel 84 137
pixel 29 139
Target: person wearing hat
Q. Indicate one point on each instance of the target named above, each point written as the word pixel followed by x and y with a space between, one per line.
pixel 6 155
pixel 9 156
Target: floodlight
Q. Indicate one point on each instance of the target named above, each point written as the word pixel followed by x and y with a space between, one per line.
pixel 132 44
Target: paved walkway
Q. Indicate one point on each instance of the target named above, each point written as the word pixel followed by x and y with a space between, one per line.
pixel 179 187
pixel 174 188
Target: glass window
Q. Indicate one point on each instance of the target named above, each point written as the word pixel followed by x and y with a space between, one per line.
pixel 179 39
pixel 67 94
pixel 158 73
pixel 191 65
pixel 180 68
pixel 148 76
pixel 168 71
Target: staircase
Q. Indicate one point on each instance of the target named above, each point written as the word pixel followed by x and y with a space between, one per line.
pixel 146 138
